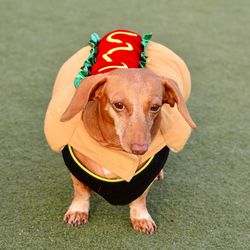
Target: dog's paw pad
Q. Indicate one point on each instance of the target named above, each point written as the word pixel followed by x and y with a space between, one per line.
pixel 144 225
pixel 76 218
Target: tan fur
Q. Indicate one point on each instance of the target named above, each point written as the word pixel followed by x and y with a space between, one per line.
pixel 78 211
pixel 130 129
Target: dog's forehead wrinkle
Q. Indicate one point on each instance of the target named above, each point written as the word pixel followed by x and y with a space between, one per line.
pixel 138 78
pixel 134 88
pixel 131 75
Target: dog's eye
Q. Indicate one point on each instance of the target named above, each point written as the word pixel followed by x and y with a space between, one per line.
pixel 154 108
pixel 119 106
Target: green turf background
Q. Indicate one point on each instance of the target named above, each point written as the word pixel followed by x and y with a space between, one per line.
pixel 204 201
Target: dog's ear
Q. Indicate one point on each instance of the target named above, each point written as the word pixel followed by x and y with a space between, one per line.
pixel 85 92
pixel 173 96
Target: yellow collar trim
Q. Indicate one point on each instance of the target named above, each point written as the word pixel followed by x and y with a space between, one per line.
pixel 102 178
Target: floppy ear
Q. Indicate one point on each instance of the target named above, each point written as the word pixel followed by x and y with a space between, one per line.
pixel 173 96
pixel 83 94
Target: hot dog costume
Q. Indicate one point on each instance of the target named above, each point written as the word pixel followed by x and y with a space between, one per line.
pixel 117 49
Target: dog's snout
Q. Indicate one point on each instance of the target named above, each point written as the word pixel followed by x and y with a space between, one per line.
pixel 139 149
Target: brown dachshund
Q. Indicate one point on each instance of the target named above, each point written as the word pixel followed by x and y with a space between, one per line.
pixel 122 110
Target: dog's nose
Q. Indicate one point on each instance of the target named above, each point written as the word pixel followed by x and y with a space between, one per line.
pixel 139 149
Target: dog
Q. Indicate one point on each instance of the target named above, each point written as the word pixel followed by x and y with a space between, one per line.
pixel 122 113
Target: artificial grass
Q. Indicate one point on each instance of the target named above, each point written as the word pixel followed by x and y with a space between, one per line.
pixel 203 203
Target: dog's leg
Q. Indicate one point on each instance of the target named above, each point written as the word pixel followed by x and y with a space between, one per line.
pixel 160 176
pixel 140 217
pixel 78 211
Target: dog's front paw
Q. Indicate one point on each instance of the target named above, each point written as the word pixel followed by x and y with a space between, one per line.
pixel 76 218
pixel 146 226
